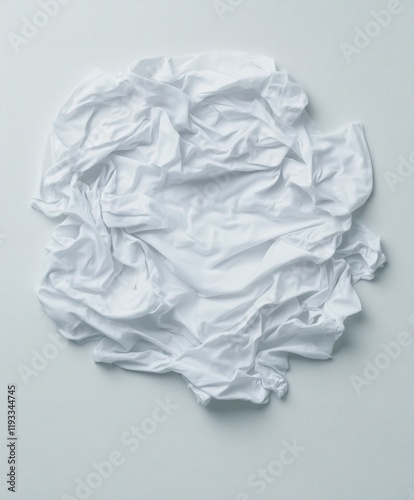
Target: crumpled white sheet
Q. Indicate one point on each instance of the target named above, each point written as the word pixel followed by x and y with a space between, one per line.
pixel 208 224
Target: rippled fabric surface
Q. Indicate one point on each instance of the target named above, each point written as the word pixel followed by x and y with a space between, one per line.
pixel 207 225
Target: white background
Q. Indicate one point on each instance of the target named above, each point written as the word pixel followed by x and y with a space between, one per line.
pixel 74 412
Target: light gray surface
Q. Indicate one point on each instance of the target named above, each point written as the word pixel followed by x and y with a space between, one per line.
pixel 74 412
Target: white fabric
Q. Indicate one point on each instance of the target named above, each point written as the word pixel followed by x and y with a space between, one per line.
pixel 207 223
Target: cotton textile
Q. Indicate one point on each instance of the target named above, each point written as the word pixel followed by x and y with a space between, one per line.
pixel 208 224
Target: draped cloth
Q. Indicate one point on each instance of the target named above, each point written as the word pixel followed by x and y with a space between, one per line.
pixel 206 223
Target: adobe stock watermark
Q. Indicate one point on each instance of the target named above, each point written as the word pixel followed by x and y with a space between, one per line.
pixel 41 358
pixel 364 36
pixel 404 171
pixel 224 7
pixel 390 351
pixel 261 478
pixel 31 27
pixel 131 441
